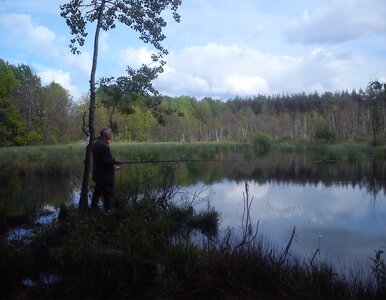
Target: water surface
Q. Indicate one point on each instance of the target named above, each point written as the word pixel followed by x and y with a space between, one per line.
pixel 336 207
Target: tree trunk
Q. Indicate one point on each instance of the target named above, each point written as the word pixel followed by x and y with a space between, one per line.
pixel 83 201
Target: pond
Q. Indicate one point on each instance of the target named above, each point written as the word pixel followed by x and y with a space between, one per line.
pixel 337 207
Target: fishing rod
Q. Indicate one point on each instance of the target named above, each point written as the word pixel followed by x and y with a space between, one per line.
pixel 174 161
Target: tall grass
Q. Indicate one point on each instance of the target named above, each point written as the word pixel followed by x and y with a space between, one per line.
pixel 65 158
pixel 325 152
pixel 158 151
pixel 68 158
pixel 42 159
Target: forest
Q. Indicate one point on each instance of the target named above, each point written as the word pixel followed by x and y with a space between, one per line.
pixel 32 113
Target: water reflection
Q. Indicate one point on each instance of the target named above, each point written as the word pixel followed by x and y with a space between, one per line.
pixel 341 221
pixel 22 193
pixel 337 207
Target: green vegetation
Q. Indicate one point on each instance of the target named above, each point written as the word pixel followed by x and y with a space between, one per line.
pixel 32 113
pixel 49 115
pixel 261 143
pixel 66 158
pixel 153 248
pixel 54 159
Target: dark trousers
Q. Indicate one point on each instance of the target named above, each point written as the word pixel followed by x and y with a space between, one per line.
pixel 107 192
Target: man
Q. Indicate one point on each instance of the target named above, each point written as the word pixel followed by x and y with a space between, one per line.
pixel 103 170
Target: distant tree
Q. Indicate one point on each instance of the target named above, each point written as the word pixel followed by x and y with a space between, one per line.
pixel 29 84
pixel 376 95
pixel 143 16
pixel 54 110
pixel 10 126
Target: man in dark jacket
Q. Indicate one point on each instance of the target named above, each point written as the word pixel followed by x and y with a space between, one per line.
pixel 103 170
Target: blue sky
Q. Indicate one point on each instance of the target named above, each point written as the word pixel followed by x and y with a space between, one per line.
pixel 220 49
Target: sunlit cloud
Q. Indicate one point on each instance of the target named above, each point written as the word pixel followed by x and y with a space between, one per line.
pixel 60 77
pixel 81 62
pixel 135 57
pixel 224 71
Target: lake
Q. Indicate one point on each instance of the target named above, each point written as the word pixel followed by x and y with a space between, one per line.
pixel 338 207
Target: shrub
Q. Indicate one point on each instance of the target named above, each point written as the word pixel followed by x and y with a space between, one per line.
pixel 324 134
pixel 261 143
pixel 34 138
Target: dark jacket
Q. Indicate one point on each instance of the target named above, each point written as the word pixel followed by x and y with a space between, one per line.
pixel 103 163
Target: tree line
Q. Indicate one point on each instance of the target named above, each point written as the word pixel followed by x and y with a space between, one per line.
pixel 356 116
pixel 31 113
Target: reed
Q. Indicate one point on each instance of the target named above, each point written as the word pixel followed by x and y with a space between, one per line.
pixel 68 158
pixel 42 159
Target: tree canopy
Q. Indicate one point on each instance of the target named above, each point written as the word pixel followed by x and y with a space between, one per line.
pixel 25 108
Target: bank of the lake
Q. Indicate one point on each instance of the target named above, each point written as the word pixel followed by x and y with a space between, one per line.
pixel 64 158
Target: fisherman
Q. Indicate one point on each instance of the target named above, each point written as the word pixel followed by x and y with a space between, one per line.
pixel 103 171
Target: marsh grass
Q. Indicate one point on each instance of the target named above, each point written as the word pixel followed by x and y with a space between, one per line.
pixel 68 158
pixel 159 151
pixel 58 159
pixel 332 152
pixel 42 159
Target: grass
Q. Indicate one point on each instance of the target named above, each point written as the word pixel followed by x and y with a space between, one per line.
pixel 42 159
pixel 69 158
pixel 342 151
pixel 157 151
pixel 66 158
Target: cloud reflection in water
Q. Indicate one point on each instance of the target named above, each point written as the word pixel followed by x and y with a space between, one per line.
pixel 346 222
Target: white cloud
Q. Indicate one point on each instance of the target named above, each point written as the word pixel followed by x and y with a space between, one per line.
pixel 226 71
pixel 135 57
pixel 341 21
pixel 322 70
pixel 60 77
pixel 230 50
pixel 81 62
pixel 21 30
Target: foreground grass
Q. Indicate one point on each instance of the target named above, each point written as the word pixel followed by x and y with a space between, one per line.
pixel 154 249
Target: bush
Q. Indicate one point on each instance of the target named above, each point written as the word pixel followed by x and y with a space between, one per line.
pixel 324 134
pixel 34 138
pixel 261 143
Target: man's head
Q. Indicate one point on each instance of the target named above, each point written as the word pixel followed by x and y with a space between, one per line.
pixel 105 134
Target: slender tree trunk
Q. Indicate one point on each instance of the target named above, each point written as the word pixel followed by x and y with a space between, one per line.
pixel 83 202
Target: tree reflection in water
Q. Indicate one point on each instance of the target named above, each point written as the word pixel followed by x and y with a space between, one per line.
pixel 337 207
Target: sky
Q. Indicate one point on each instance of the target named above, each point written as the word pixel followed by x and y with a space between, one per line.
pixel 220 49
